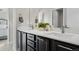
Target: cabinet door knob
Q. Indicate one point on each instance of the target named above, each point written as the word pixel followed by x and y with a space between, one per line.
pixel 65 47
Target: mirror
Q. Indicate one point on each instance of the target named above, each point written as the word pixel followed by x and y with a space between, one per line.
pixel 53 16
pixel 45 15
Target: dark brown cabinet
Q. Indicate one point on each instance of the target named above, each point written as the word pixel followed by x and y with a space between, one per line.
pixel 63 46
pixel 42 43
pixel 23 41
pixel 31 42
pixel 37 43
pixel 19 41
pixel 29 48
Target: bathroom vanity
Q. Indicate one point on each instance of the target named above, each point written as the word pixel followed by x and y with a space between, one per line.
pixel 32 40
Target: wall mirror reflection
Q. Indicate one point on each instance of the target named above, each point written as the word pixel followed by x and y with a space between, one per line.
pixel 53 16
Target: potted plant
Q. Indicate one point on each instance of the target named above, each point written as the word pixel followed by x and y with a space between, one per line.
pixel 42 25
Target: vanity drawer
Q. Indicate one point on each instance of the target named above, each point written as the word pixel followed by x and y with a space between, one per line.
pixel 30 36
pixel 29 48
pixel 62 46
pixel 30 43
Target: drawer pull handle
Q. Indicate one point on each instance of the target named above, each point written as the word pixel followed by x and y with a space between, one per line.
pixel 31 36
pixel 31 43
pixel 64 47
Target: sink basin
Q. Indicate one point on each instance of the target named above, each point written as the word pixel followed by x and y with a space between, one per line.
pixel 57 34
pixel 62 35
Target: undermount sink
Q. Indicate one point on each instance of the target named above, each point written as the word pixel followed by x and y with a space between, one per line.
pixel 59 34
pixel 64 35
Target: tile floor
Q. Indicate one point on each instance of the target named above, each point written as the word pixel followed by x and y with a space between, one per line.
pixel 4 46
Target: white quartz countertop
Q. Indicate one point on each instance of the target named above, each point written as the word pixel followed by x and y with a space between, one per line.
pixel 65 37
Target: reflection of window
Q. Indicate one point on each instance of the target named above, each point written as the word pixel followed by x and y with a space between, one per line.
pixel 45 16
pixel 40 16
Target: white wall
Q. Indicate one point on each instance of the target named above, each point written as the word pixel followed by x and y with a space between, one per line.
pixel 25 15
pixel 28 17
pixel 11 27
pixel 73 20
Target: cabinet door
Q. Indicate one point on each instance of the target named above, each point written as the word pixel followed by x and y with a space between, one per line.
pixel 18 41
pixel 23 41
pixel 42 44
pixel 62 46
pixel 52 45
